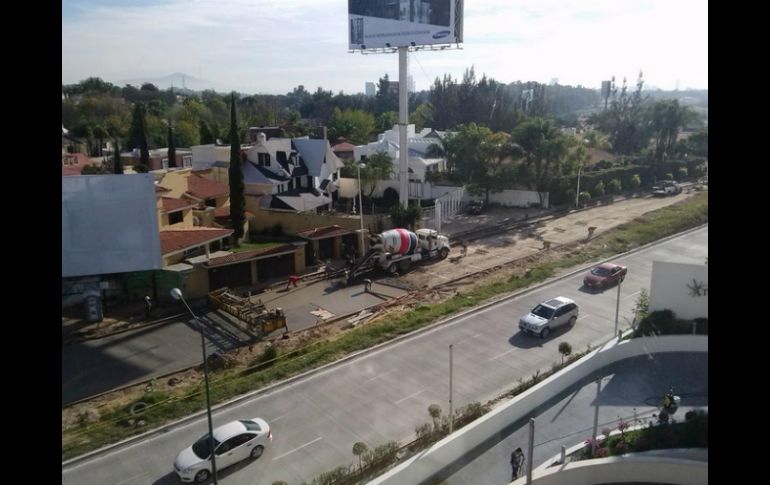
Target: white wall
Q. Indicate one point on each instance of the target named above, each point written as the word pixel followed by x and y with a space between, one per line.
pixel 447 451
pixel 508 197
pixel 619 469
pixel 109 224
pixel 204 156
pixel 675 286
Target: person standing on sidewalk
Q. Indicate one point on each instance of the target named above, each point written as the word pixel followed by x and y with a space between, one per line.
pixel 147 307
pixel 517 463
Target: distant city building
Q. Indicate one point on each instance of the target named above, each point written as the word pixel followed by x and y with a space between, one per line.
pixel 554 81
pixel 411 86
pixel 371 89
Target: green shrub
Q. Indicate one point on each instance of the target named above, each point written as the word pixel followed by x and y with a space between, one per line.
pixel 332 477
pixel 614 186
pixel 584 198
pixel 681 173
pixel 598 189
pixel 661 322
pixel 669 176
pixel 635 182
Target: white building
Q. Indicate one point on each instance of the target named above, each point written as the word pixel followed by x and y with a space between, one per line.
pixel 681 288
pixel 371 89
pixel 419 162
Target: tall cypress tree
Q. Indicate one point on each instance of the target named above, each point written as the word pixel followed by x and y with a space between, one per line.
pixel 117 165
pixel 171 147
pixel 138 135
pixel 237 202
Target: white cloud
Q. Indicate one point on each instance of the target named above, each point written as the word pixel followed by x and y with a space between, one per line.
pixel 274 45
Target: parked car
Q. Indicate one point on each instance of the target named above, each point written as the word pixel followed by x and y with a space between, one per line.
pixel 666 187
pixel 233 442
pixel 604 276
pixel 474 207
pixel 547 316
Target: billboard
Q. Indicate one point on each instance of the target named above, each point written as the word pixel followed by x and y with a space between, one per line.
pixel 109 225
pixel 396 23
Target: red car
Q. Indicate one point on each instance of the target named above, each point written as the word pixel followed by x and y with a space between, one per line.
pixel 605 275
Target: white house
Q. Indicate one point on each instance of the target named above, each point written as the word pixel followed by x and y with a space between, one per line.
pixel 419 163
pixel 681 288
pixel 297 174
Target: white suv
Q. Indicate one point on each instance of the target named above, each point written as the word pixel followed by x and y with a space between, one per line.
pixel 549 315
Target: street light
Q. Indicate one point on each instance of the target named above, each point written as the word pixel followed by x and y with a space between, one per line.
pixel 176 294
pixel 361 204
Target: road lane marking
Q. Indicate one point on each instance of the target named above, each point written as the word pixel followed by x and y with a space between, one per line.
pixel 477 335
pixel 583 316
pixel 504 353
pixel 279 417
pixel 632 294
pixel 409 396
pixel 377 376
pixel 298 448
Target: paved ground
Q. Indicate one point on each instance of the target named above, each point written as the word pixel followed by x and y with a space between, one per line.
pixel 626 388
pixel 383 395
pixel 494 250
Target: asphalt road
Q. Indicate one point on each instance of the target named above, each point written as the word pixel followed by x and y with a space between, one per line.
pixel 385 394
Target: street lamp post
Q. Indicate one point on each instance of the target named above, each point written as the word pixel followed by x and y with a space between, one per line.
pixel 617 308
pixel 361 205
pixel 176 293
pixel 577 191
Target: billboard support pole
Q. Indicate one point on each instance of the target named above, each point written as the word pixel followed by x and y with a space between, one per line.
pixel 403 121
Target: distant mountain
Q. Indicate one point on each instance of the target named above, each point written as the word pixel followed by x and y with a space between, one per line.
pixel 178 80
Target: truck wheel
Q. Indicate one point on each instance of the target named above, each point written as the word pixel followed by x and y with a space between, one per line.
pixel 443 253
pixel 392 269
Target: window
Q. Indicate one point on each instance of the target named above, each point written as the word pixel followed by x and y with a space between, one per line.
pixel 176 217
pixel 211 203
pixel 251 425
pixel 263 159
pixel 187 161
pixel 281 156
pixel 164 163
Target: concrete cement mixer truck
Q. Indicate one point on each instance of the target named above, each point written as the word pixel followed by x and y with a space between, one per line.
pixel 396 249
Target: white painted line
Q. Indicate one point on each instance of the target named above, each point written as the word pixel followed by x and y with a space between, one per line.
pixel 584 316
pixel 377 376
pixel 298 448
pixel 504 353
pixel 477 335
pixel 279 417
pixel 410 396
pixel 632 294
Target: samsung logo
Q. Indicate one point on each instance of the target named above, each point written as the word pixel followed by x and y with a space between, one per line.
pixel 441 34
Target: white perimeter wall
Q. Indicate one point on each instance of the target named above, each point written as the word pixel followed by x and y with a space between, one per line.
pixel 673 287
pixel 447 451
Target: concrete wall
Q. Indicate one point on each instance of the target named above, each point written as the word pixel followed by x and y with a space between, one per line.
pixel 619 469
pixel 681 288
pixel 453 447
pixel 196 283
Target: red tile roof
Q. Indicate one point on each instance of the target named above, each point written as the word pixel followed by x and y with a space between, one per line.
pixel 343 147
pixel 203 188
pixel 178 239
pixel 170 204
pixel 324 232
pixel 249 255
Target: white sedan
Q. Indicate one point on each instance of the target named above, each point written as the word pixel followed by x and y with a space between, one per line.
pixel 233 442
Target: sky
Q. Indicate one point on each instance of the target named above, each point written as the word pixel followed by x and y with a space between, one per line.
pixel 272 46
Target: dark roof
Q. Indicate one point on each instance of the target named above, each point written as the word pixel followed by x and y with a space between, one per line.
pixel 271 175
pixel 324 232
pixel 170 204
pixel 249 255
pixel 177 239
pixel 276 203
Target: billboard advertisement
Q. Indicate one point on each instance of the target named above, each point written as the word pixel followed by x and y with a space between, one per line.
pixel 376 24
pixel 109 225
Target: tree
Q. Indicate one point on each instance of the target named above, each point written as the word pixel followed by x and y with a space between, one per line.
pixel 435 413
pixel 138 135
pixel 565 349
pixel 171 147
pixel 237 202
pixel 101 133
pixel 378 167
pixel 353 124
pixel 422 117
pixel 405 217
pixel 387 120
pixel 117 165
pixel 359 448
pixel 206 135
pixel 544 149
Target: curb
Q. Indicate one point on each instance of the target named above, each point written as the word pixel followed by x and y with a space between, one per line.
pixel 124 330
pixel 345 359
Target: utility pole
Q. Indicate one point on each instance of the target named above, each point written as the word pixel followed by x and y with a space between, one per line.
pixel 403 122
pixel 530 450
pixel 617 308
pixel 451 416
pixel 577 191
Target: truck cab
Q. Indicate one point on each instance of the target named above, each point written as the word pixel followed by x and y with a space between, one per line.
pixel 430 240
